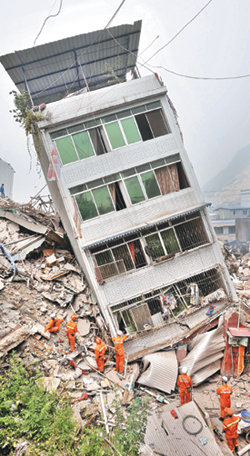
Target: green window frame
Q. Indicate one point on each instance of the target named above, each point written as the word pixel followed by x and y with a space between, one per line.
pixel 66 150
pixel 130 130
pixel 86 205
pixel 154 242
pixel 115 136
pixel 150 184
pixel 103 200
pixel 134 190
pixel 170 241
pixel 83 145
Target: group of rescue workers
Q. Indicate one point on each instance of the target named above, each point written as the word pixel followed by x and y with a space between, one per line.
pixel 184 382
pixel 230 421
pixel 71 329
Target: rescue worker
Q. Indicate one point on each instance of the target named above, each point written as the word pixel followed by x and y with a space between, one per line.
pixel 184 384
pixel 230 427
pixel 119 351
pixel 71 330
pixel 224 391
pixel 100 354
pixel 54 324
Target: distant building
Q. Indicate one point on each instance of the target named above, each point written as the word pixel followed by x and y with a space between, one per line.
pixel 121 179
pixel 232 223
pixel 6 177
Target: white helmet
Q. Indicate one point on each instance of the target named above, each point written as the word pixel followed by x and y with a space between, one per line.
pixel 224 379
pixel 119 333
pixel 184 370
pixel 53 315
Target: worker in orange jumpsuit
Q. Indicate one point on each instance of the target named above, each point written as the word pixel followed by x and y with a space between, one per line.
pixel 184 384
pixel 54 324
pixel 119 351
pixel 224 391
pixel 71 330
pixel 100 354
pixel 230 427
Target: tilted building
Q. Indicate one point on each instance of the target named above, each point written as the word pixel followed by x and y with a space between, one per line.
pixel 120 177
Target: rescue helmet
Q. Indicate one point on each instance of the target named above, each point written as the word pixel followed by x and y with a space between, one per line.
pixel 73 317
pixel 224 379
pixel 119 333
pixel 229 411
pixel 53 315
pixel 98 340
pixel 184 370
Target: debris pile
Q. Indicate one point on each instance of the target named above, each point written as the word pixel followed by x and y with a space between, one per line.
pixel 39 276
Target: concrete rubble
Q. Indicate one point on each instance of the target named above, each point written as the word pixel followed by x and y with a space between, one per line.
pixel 48 279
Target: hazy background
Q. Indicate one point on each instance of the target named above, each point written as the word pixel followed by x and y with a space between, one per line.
pixel 213 115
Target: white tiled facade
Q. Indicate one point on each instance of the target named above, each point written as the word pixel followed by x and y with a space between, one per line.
pixel 103 102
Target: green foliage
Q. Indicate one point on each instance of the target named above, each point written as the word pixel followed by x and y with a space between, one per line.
pixel 27 411
pixel 129 433
pixel 45 421
pixel 23 113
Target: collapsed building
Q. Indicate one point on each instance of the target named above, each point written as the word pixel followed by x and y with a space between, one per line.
pixel 121 180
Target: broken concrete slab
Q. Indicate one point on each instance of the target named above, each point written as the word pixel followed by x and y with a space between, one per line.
pixel 13 339
pixel 38 328
pixel 83 326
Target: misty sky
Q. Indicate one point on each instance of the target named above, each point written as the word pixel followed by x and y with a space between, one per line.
pixel 214 115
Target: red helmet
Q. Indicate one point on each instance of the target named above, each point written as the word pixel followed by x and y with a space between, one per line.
pixel 229 411
pixel 73 317
pixel 98 340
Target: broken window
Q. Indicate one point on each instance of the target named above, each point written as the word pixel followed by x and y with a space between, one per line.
pixel 152 124
pixel 137 253
pixel 98 141
pixel 117 196
pixel 170 241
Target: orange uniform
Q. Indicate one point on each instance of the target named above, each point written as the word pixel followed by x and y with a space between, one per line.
pixel 224 391
pixel 119 350
pixel 230 427
pixel 71 330
pixel 100 354
pixel 184 382
pixel 54 325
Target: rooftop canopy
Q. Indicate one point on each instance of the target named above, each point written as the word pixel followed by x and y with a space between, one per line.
pixel 92 60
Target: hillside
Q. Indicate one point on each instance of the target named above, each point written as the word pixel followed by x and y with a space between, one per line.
pixel 224 188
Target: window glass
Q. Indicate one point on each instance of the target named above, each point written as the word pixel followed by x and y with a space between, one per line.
pixel 83 144
pixel 104 258
pixel 95 183
pixel 130 129
pixel 92 123
pixel 142 168
pixel 155 247
pixel 128 172
pixel 134 190
pixel 86 205
pixel 77 189
pixel 115 135
pixel 138 109
pixel 109 118
pixel 123 114
pixel 66 150
pixel 150 184
pixel 112 178
pixel 57 134
pixel 103 200
pixel 155 104
pixel 75 128
pixel 170 241
pixel 157 123
pixel 122 253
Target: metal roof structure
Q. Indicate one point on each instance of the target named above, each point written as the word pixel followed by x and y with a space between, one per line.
pixel 92 60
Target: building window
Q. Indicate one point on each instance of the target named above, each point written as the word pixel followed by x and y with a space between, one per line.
pixel 231 229
pixel 218 229
pixel 138 313
pixel 111 132
pixel 130 187
pixel 152 244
